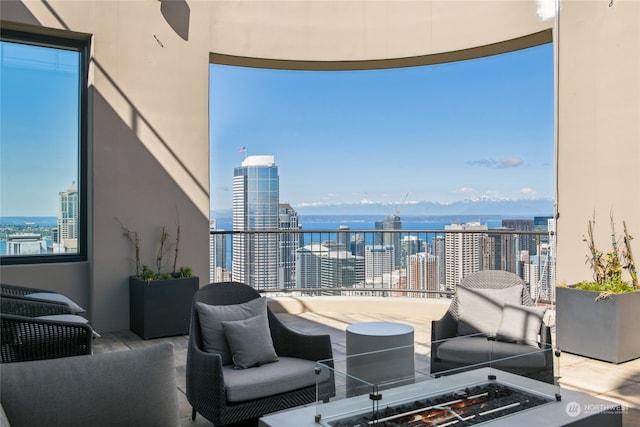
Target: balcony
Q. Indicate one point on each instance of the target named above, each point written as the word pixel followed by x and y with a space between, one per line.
pixel 596 122
pixel 339 288
pixel 332 314
pixel 332 303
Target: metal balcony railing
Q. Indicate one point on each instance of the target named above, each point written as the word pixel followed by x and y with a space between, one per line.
pixel 405 263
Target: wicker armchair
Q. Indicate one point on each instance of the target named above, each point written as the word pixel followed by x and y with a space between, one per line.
pixel 447 328
pixel 25 336
pixel 8 290
pixel 205 378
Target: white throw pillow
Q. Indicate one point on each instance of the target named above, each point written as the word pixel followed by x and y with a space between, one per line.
pixel 480 310
pixel 520 324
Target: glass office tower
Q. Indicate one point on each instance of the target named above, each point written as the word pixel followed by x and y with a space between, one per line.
pixel 255 208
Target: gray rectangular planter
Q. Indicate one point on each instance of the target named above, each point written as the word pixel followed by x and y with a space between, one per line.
pixel 607 329
pixel 161 308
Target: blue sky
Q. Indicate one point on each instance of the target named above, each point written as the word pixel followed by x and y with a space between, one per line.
pixel 441 133
pixel 481 128
pixel 38 128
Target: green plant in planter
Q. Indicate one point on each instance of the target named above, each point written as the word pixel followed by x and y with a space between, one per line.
pixel 148 274
pixel 608 267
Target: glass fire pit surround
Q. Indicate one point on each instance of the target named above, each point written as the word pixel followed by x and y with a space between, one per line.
pixel 484 396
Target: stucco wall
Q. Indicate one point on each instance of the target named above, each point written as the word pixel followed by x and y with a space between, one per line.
pixel 149 145
pixel 599 127
pixel 149 95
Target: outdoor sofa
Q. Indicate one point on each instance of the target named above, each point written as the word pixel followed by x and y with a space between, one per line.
pixel 123 388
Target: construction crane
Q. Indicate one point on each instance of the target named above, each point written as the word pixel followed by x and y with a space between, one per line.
pixel 399 207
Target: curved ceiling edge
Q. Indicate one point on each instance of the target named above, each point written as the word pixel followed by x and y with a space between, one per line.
pixel 519 43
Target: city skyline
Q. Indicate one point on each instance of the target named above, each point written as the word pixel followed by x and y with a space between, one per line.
pixel 267 260
pixel 470 130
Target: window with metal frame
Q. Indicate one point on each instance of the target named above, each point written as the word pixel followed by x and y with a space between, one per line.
pixel 43 147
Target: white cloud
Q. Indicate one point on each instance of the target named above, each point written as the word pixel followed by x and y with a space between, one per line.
pixel 463 190
pixel 528 191
pixel 510 162
pixel 547 9
pixel 507 162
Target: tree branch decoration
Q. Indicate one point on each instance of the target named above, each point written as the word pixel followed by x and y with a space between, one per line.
pixel 143 271
pixel 607 267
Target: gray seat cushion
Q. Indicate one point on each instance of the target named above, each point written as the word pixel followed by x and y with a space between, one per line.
pixel 4 421
pixel 270 379
pixel 476 350
pixel 122 388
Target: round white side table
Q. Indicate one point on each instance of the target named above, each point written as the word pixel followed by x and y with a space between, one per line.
pixel 379 353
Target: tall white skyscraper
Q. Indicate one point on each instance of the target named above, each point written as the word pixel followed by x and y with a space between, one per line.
pixel 378 260
pixel 463 251
pixel 255 208
pixel 308 267
pixel 66 235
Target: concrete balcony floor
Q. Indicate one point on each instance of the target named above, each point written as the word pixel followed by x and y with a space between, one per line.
pixel 331 315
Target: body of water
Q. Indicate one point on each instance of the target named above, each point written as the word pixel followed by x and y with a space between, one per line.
pixel 367 222
pixel 308 222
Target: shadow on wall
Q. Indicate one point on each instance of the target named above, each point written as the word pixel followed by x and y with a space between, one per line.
pixel 177 13
pixel 18 12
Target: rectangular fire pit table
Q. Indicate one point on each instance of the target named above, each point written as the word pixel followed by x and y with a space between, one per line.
pixel 558 407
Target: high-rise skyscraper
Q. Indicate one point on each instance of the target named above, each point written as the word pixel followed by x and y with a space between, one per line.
pixel 422 274
pixel 343 237
pixel 438 249
pixel 525 242
pixel 410 245
pixel 541 223
pixel 328 265
pixel 379 261
pixel 218 255
pixel 66 236
pixel 255 208
pixel 308 265
pixel 288 244
pixel 504 251
pixel 464 251
pixel 341 269
pixel 357 245
pixel 542 267
pixel 391 222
